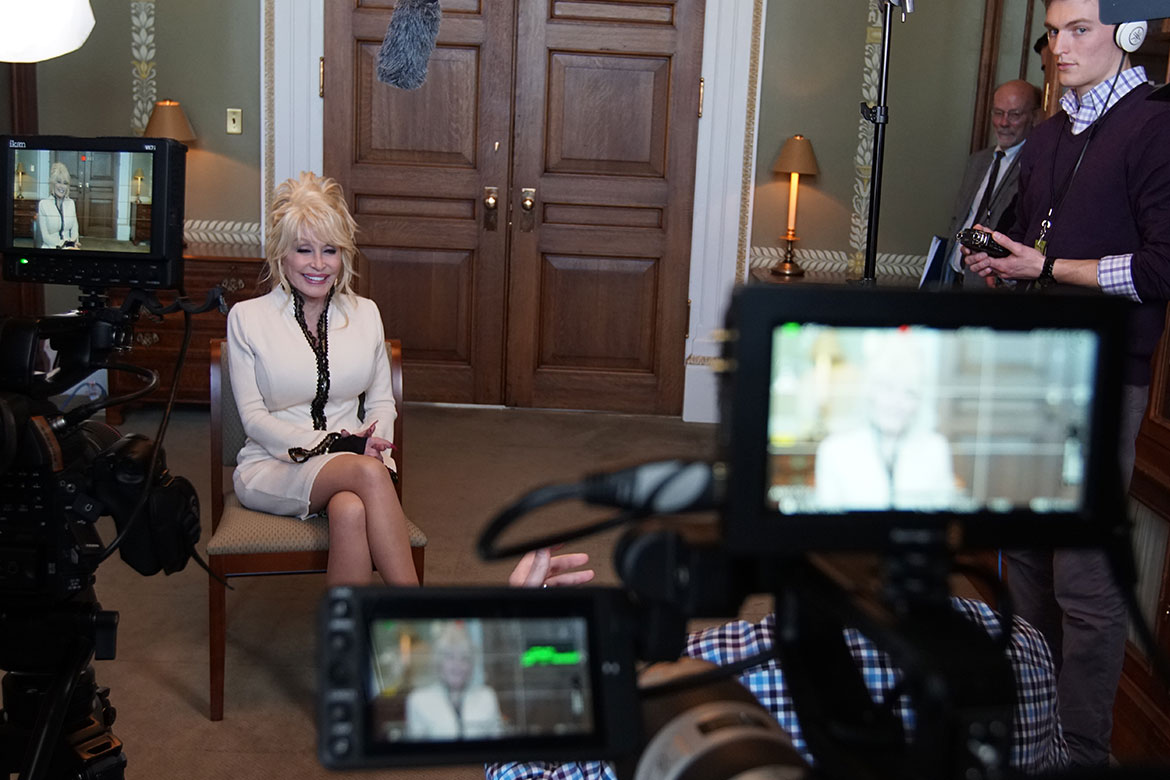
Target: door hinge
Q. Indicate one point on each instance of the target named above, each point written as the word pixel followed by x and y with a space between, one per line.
pixel 687 335
pixel 702 88
pixel 321 77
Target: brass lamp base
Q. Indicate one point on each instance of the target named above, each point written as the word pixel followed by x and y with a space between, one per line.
pixel 788 266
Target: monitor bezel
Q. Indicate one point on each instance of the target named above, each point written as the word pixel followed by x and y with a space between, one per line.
pixel 158 267
pixel 751 527
pixel 611 667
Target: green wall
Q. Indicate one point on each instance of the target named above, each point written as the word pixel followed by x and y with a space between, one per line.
pixel 813 66
pixel 207 56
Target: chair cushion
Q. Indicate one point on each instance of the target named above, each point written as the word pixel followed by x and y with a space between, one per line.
pixel 243 530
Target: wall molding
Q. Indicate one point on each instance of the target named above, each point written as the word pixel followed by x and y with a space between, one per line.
pixel 836 261
pixel 217 231
pixel 143 90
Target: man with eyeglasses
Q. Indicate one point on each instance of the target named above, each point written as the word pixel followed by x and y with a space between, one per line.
pixel 1015 108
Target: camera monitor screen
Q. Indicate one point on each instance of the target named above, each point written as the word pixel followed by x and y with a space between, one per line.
pixel 442 679
pixel 93 211
pixel 909 409
pixel 82 199
pixel 444 675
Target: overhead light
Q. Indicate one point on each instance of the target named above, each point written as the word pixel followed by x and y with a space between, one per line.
pixel 36 30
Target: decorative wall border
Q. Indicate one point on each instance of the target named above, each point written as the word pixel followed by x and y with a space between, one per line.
pixel 268 97
pixel 862 159
pixel 904 267
pixel 143 90
pixel 218 231
pixel 747 196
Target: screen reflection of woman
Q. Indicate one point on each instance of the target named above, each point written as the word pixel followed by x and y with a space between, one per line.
pixel 57 214
pixel 455 705
pixel 894 458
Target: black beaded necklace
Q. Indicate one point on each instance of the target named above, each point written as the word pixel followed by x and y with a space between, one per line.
pixel 320 346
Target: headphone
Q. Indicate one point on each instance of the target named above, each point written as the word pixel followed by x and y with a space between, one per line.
pixel 1129 36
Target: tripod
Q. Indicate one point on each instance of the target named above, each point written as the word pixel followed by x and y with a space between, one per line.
pixel 56 720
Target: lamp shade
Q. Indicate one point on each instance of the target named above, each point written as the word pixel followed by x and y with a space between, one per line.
pixel 167 120
pixel 35 30
pixel 796 156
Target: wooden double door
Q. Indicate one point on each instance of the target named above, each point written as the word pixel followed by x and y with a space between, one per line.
pixel 525 216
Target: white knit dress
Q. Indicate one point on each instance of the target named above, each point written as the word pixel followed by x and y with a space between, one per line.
pixel 274 380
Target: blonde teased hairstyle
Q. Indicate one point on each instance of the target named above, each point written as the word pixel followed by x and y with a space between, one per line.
pixel 311 205
pixel 59 173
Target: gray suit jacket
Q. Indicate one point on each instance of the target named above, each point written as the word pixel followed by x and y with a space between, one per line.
pixel 1003 196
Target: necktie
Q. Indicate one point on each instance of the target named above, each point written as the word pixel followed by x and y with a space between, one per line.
pixel 985 204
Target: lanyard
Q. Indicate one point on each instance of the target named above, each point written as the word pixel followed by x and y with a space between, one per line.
pixel 1046 223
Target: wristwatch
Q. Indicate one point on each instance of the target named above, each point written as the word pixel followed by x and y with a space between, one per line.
pixel 1046 279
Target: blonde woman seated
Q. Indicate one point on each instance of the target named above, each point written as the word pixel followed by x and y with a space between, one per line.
pixel 299 357
pixel 892 457
pixel 456 705
pixel 57 214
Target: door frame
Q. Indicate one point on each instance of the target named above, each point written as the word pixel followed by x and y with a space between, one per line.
pixel 292 41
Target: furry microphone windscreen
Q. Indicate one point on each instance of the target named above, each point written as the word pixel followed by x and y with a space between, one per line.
pixel 409 41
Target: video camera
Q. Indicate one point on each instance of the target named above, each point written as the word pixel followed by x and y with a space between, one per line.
pixel 60 471
pixel 1004 420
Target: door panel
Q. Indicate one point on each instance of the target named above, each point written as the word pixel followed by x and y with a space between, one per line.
pixel 576 299
pixel 95 209
pixel 414 165
pixel 606 121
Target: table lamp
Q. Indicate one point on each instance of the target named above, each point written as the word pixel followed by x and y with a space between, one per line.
pixel 19 181
pixel 167 120
pixel 138 177
pixel 796 157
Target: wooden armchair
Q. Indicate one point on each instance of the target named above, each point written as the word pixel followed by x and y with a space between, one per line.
pixel 245 542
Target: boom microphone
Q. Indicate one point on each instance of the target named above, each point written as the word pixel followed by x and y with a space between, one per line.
pixel 410 39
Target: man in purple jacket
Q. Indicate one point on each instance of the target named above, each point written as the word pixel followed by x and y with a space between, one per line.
pixel 1093 212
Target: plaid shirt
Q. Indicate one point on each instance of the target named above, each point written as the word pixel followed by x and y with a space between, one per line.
pixel 1037 744
pixel 1113 272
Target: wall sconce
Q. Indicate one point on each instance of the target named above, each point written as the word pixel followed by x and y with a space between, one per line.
pixel 167 120
pixel 19 181
pixel 138 177
pixel 44 29
pixel 796 157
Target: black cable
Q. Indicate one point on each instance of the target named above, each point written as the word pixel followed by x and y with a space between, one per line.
pixel 531 501
pixel 147 484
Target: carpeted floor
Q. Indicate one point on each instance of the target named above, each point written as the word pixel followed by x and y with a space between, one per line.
pixel 462 465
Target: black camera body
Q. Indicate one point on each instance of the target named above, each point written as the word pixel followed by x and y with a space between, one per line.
pixel 561 664
pixel 980 241
pixel 60 471
pixel 802 365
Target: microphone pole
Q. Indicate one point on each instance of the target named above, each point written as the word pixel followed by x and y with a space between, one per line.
pixel 879 115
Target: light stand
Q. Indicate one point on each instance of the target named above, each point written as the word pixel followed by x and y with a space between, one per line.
pixel 879 115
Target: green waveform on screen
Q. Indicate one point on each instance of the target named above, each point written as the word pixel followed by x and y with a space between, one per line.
pixel 546 655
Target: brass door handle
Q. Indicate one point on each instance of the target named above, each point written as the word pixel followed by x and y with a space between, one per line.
pixel 527 208
pixel 491 207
